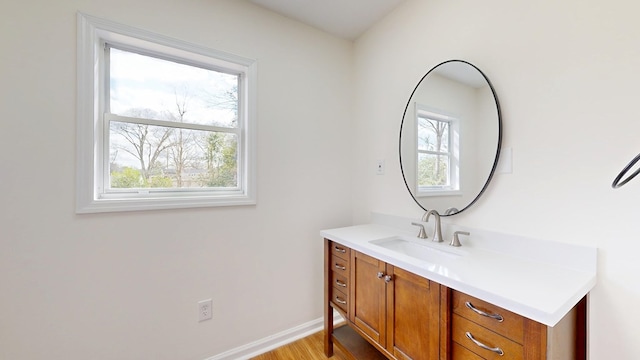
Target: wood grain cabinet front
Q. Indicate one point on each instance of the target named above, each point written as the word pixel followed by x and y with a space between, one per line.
pixel 391 313
pixel 394 311
pixel 340 291
pixel 485 329
pixel 413 305
pixel 481 330
pixel 340 251
pixel 339 277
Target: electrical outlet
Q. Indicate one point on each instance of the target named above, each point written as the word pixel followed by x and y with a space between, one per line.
pixel 205 311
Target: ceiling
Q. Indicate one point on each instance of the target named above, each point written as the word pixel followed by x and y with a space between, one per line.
pixel 344 18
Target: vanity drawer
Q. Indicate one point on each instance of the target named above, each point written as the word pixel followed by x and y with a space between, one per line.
pixel 340 251
pixel 340 299
pixel 459 352
pixel 460 327
pixel 340 265
pixel 339 282
pixel 511 326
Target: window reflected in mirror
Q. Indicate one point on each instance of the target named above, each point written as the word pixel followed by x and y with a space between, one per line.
pixel 450 137
pixel 437 153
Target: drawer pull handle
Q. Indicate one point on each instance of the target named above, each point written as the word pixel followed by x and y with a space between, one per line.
pixel 338 266
pixel 480 312
pixel 340 301
pixel 340 250
pixel 496 350
pixel 340 283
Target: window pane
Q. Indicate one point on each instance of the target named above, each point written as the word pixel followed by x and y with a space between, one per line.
pixel 147 156
pixel 433 135
pixel 433 170
pixel 148 87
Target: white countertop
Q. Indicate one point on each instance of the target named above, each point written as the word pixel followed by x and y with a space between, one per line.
pixel 540 280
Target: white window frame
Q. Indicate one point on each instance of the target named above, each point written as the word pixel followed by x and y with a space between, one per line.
pixel 90 198
pixel 454 187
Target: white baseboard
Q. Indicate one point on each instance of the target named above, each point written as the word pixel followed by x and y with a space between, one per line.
pixel 274 341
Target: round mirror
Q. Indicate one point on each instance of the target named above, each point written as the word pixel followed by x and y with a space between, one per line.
pixel 450 137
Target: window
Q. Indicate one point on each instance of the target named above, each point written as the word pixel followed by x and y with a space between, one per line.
pixel 437 154
pixel 161 123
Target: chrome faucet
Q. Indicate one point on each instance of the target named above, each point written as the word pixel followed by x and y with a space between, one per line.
pixel 455 241
pixel 422 234
pixel 437 232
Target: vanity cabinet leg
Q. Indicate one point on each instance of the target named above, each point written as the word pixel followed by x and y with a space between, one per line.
pixel 328 310
pixel 328 332
pixel 581 332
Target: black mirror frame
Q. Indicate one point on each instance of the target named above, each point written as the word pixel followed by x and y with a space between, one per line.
pixel 498 149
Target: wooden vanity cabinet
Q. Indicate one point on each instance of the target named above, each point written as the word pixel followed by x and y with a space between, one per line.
pixel 395 311
pixel 480 330
pixel 413 305
pixel 367 309
pixel 339 276
pixel 395 314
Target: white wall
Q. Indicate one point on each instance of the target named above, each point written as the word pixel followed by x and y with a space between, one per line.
pixel 125 285
pixel 566 74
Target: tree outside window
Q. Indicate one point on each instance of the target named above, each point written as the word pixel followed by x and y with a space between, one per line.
pixel 433 153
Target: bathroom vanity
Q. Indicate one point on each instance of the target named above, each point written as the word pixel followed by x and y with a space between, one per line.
pixel 495 297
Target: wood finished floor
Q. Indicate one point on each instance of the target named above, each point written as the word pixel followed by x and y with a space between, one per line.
pixel 308 348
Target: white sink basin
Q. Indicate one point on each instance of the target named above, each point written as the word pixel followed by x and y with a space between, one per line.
pixel 418 249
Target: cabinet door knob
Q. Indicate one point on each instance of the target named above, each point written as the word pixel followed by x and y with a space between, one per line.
pixel 380 275
pixel 480 312
pixel 388 278
pixel 496 350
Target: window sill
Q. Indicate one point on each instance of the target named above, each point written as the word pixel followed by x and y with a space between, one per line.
pixel 121 205
pixel 439 193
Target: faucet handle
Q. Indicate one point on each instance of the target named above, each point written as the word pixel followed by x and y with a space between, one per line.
pixel 422 234
pixel 456 241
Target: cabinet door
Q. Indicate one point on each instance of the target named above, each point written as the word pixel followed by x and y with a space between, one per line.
pixel 367 309
pixel 413 305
